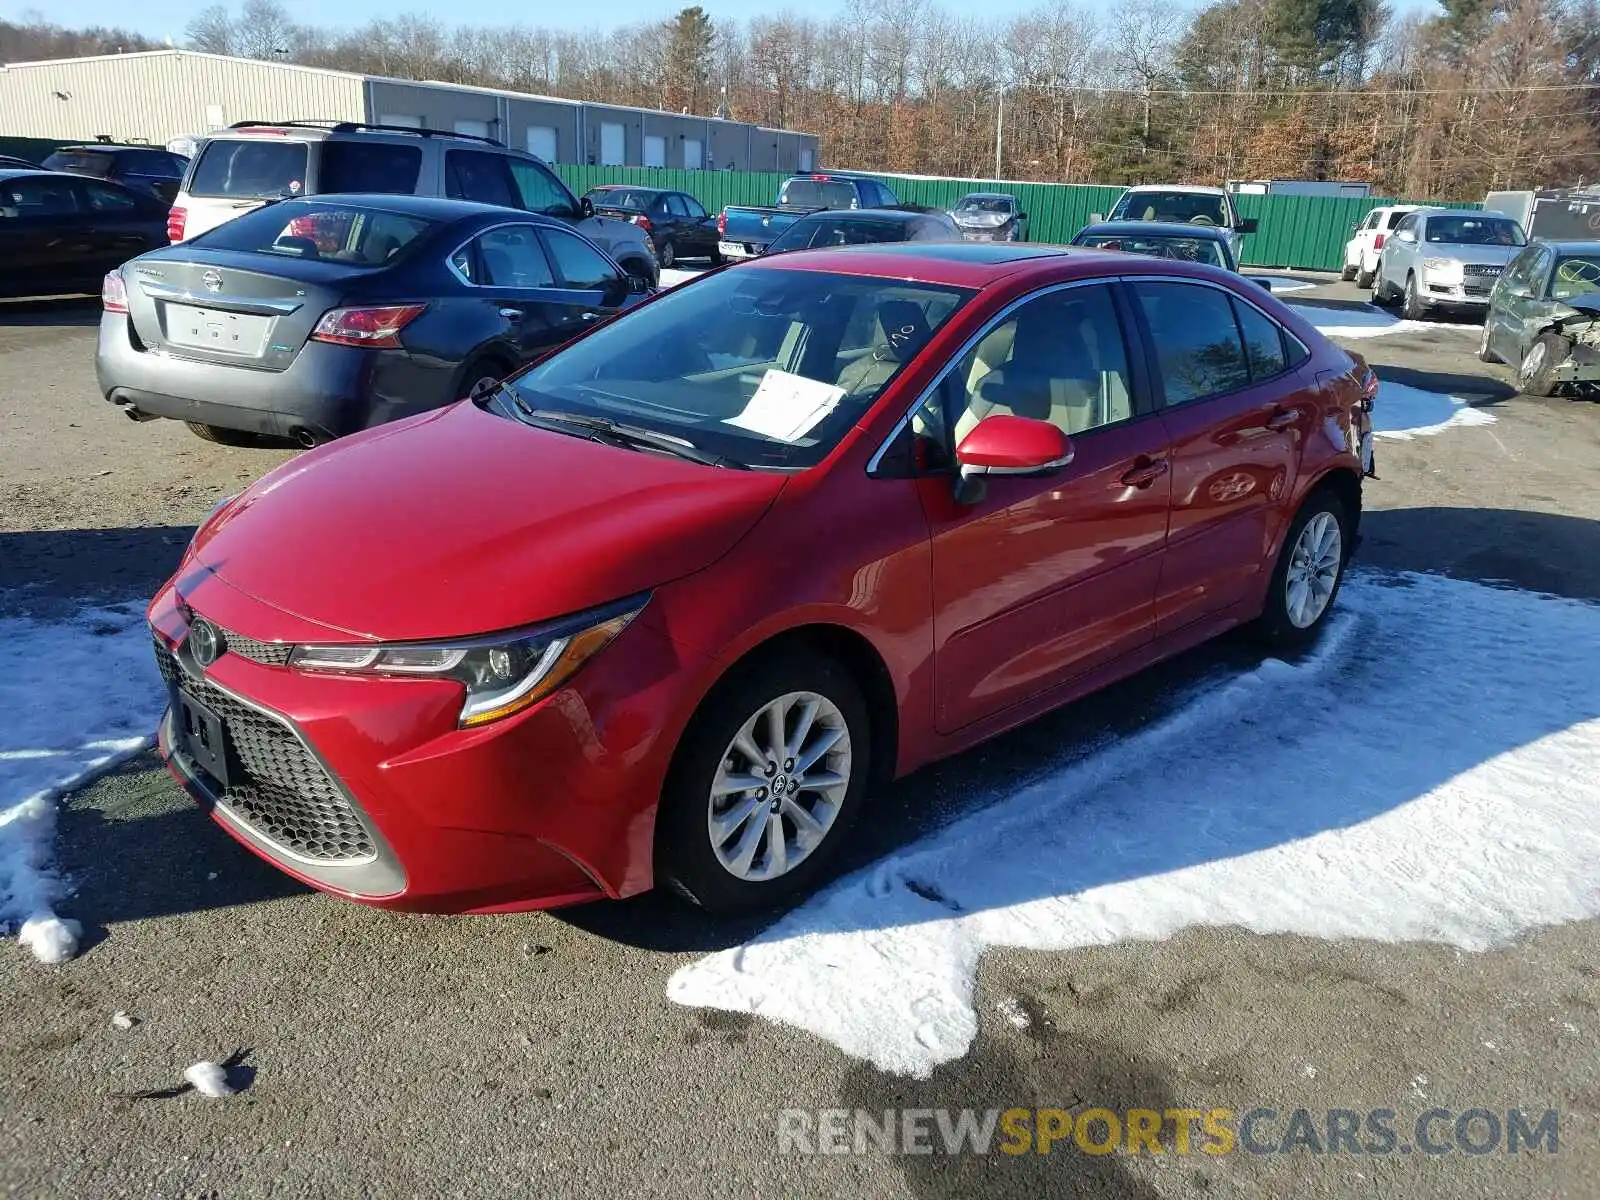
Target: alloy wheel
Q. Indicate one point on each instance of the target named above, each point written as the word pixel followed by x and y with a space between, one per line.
pixel 1532 363
pixel 1313 570
pixel 779 786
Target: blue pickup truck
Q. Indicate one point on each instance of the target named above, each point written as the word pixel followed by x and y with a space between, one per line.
pixel 744 231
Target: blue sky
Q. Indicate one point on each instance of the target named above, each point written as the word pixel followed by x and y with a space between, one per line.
pixel 158 18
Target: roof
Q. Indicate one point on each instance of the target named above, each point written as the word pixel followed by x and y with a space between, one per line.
pixel 1430 212
pixel 18 172
pixel 1173 229
pixel 1187 189
pixel 988 196
pixel 264 64
pixel 80 147
pixel 904 215
pixel 428 208
pixel 974 264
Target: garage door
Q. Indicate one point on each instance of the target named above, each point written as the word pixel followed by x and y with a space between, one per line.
pixel 542 141
pixel 655 152
pixel 807 159
pixel 613 145
pixel 401 119
pixel 473 128
pixel 693 159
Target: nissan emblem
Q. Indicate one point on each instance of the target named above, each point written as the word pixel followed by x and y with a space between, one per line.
pixel 212 280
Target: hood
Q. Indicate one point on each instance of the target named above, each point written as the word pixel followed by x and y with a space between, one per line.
pixel 981 220
pixel 1489 255
pixel 1583 307
pixel 461 522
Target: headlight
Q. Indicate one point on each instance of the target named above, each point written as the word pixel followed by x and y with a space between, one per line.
pixel 1439 264
pixel 503 673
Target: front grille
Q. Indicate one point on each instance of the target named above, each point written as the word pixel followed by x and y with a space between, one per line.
pixel 272 654
pixel 1482 269
pixel 282 792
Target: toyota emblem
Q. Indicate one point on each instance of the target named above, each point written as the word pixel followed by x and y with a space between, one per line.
pixel 212 280
pixel 205 642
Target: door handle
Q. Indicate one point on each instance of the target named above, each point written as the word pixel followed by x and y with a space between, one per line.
pixel 590 315
pixel 511 314
pixel 1281 419
pixel 1145 474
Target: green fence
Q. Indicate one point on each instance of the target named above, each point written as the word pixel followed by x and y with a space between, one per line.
pixel 1294 232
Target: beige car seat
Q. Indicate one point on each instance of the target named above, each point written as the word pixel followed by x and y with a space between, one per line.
pixel 1049 376
pixel 901 331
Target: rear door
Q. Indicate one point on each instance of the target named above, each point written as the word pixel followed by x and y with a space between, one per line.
pixel 234 175
pixel 123 223
pixel 699 225
pixel 1236 412
pixel 47 244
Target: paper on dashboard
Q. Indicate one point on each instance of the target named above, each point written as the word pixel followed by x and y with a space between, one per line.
pixel 787 407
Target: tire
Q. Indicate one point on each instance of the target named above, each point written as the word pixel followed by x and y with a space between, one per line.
pixel 639 270
pixel 1364 278
pixel 1284 625
pixel 715 256
pixel 1485 351
pixel 1412 308
pixel 1382 289
pixel 1535 372
pixel 220 436
pixel 667 254
pixel 687 858
pixel 479 370
pixel 1349 273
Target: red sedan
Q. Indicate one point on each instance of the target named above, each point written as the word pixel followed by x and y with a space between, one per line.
pixel 666 606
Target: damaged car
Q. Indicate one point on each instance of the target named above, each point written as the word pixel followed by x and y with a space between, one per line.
pixel 990 217
pixel 1544 317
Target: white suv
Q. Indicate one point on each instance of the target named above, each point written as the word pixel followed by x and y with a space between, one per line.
pixel 1367 238
pixel 254 162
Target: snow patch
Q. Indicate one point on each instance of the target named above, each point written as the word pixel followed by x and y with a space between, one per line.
pixel 79 697
pixel 1365 322
pixel 209 1079
pixel 1404 413
pixel 1283 283
pixel 671 277
pixel 1409 779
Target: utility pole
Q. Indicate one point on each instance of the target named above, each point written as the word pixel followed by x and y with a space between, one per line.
pixel 999 129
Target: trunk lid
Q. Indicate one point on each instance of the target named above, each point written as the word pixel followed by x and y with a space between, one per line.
pixel 249 310
pixel 758 225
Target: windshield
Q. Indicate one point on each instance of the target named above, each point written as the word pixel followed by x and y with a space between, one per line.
pixel 253 170
pixel 816 193
pixel 622 198
pixel 79 162
pixel 985 204
pixel 1474 231
pixel 764 367
pixel 1578 275
pixel 839 231
pixel 328 232
pixel 1170 206
pixel 1200 250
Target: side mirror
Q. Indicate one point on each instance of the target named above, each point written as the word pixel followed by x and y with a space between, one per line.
pixel 638 285
pixel 1248 225
pixel 1008 445
pixel 586 208
pixel 1260 282
pixel 1406 235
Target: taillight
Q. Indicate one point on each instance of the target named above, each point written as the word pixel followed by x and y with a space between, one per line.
pixel 113 292
pixel 176 219
pixel 1377 242
pixel 643 222
pixel 374 328
pixel 722 222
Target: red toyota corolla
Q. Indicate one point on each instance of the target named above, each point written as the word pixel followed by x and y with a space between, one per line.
pixel 667 605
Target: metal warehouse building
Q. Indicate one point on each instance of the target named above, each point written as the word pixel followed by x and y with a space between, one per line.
pixel 160 95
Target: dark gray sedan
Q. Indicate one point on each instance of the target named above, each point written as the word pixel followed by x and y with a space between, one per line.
pixel 313 318
pixel 1544 317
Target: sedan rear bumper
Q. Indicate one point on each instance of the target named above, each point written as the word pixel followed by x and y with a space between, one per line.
pixel 328 391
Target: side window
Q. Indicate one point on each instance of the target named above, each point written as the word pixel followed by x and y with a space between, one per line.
pixel 1196 340
pixel 676 206
pixel 1297 350
pixel 1539 275
pixel 540 190
pixel 359 165
pixel 108 200
pixel 474 175
pixel 1060 358
pixel 580 265
pixel 1263 342
pixel 37 196
pixel 511 256
pixel 693 207
pixel 1519 271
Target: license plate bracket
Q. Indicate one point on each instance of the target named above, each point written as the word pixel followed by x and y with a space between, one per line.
pixel 241 334
pixel 202 737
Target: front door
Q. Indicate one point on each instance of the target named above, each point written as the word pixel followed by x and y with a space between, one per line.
pixel 1044 579
pixel 1236 431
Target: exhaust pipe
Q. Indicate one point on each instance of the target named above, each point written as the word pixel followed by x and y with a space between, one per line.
pixel 133 414
pixel 303 437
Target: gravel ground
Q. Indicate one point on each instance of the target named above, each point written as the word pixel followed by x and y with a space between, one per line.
pixel 537 1054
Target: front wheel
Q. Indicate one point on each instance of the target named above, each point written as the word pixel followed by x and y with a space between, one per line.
pixel 1308 574
pixel 1536 374
pixel 766 784
pixel 1412 308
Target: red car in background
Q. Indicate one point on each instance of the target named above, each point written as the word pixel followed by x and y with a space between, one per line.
pixel 665 606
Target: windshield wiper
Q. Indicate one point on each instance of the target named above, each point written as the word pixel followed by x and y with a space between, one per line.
pixel 603 429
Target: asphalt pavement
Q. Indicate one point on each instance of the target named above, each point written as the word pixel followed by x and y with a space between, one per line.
pixel 392 1055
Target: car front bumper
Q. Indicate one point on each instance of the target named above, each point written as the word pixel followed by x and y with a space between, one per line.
pixel 328 390
pixel 1469 293
pixel 366 787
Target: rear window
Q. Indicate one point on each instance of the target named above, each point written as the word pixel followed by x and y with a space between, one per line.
pixel 79 162
pixel 1395 218
pixel 324 232
pixel 360 166
pixel 633 201
pixel 808 233
pixel 816 193
pixel 251 170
